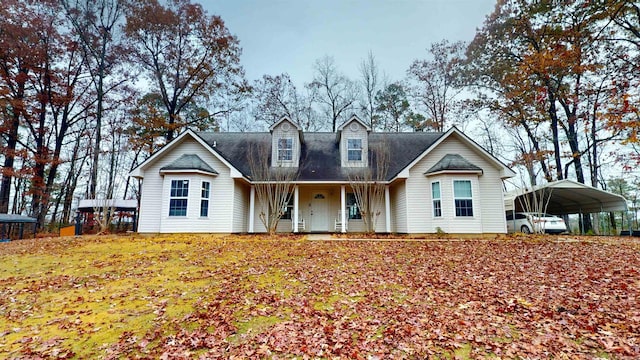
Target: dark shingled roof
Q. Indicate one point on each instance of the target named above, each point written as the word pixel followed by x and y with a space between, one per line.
pixel 320 156
pixel 189 162
pixel 453 162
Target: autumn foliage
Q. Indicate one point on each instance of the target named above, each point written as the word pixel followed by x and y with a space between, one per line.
pixel 179 296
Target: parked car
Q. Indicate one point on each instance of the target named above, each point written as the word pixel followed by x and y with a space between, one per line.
pixel 527 222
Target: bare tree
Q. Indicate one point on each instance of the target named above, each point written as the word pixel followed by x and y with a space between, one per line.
pixel 536 203
pixel 97 25
pixel 371 85
pixel 273 185
pixel 277 96
pixel 435 81
pixel 335 91
pixel 368 184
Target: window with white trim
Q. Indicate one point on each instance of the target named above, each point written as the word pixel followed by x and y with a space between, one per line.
pixel 463 197
pixel 436 199
pixel 354 149
pixel 285 149
pixel 204 199
pixel 287 211
pixel 178 197
pixel 353 211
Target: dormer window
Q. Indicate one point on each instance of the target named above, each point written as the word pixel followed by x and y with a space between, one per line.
pixel 285 149
pixel 354 149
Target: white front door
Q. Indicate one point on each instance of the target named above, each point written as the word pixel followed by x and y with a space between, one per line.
pixel 319 211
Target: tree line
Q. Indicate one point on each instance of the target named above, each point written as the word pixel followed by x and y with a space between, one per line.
pixel 90 88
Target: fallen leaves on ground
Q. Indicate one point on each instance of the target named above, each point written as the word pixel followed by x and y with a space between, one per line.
pixel 190 296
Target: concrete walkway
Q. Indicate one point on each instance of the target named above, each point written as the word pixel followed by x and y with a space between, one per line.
pixel 320 237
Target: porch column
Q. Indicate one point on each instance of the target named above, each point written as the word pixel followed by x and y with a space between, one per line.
pixel 252 205
pixel 343 206
pixel 387 208
pixel 296 196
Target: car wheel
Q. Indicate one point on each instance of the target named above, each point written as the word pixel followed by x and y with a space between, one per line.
pixel 525 229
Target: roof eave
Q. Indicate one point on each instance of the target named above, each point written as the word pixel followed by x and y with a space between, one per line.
pixel 188 171
pixel 440 172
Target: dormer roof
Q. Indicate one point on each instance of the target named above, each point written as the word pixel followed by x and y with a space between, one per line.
pixel 285 119
pixel 352 119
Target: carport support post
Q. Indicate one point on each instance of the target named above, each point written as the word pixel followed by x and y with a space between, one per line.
pixel 513 213
pixel 78 229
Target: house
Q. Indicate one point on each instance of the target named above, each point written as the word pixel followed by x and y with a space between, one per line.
pixel 436 181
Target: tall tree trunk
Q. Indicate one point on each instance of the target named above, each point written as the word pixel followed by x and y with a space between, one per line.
pixel 8 166
pixel 93 184
pixel 12 141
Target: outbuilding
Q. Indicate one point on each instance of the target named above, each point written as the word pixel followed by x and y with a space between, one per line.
pixel 564 197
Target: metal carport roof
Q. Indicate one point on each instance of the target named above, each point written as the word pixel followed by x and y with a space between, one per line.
pixel 567 197
pixel 15 219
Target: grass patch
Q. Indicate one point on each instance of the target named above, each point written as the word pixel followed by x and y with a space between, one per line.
pixel 224 296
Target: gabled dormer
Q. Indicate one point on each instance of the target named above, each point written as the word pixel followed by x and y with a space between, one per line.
pixel 354 143
pixel 285 143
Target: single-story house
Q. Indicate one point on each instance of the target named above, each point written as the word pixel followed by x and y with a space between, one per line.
pixel 435 182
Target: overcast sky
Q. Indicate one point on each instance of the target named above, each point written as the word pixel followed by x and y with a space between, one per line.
pixel 279 36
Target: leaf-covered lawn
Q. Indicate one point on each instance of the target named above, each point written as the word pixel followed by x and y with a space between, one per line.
pixel 190 296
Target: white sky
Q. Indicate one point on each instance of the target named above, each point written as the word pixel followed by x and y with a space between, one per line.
pixel 279 36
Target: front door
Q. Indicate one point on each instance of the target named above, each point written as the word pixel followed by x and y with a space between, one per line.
pixel 319 211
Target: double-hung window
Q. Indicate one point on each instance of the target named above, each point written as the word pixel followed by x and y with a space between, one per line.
pixel 463 197
pixel 287 211
pixel 436 199
pixel 353 211
pixel 204 198
pixel 354 149
pixel 285 149
pixel 178 197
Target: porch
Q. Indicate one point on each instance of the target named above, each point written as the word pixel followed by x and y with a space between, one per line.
pixel 315 208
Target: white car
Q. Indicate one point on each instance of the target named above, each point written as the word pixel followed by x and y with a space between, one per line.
pixel 527 222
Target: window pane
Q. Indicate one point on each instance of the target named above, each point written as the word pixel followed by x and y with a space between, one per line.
pixel 354 143
pixel 285 149
pixel 435 190
pixel 464 207
pixel 204 208
pixel 205 189
pixel 287 212
pixel 437 208
pixel 354 149
pixel 179 188
pixel 353 212
pixel 355 155
pixel 178 207
pixel 462 188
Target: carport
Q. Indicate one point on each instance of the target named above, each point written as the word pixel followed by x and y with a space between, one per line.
pixel 100 206
pixel 565 197
pixel 15 219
